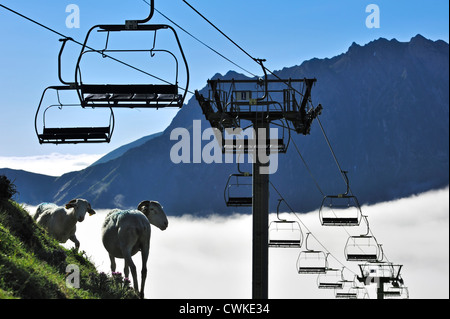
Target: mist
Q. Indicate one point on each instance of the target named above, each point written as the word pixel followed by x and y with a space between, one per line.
pixel 211 258
pixel 54 164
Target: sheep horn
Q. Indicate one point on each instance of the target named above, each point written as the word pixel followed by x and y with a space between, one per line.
pixel 71 204
pixel 143 204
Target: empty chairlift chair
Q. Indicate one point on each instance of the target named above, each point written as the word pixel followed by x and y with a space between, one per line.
pixel 393 292
pixel 284 233
pixel 331 279
pixel 340 210
pixel 239 189
pixel 351 291
pixel 68 134
pixel 155 92
pixel 312 261
pixel 363 247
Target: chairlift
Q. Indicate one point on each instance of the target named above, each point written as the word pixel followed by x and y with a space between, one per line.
pixel 284 233
pixel 381 271
pixel 399 292
pixel 363 247
pixel 312 261
pixel 331 279
pixel 340 210
pixel 234 100
pixel 148 95
pixel 239 189
pixel 351 291
pixel 69 134
pixel 242 143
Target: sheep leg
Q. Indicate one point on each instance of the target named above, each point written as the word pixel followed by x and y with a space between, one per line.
pixel 126 270
pixel 75 240
pixel 144 252
pixel 126 253
pixel 113 263
pixel 129 262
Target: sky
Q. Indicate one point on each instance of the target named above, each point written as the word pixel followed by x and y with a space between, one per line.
pixel 210 258
pixel 285 32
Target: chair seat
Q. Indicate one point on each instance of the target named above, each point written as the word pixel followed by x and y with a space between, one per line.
pixel 126 95
pixel 73 135
pixel 240 201
pixel 340 221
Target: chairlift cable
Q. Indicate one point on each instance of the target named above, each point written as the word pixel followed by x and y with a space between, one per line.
pixel 308 230
pixel 256 60
pixel 220 31
pixel 307 167
pixel 201 42
pixel 331 149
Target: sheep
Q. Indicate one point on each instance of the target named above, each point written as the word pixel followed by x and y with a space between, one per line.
pixel 61 222
pixel 125 232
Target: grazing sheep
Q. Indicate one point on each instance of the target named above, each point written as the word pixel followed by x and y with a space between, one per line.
pixel 125 232
pixel 61 222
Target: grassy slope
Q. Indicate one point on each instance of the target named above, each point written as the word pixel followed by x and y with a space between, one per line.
pixel 33 265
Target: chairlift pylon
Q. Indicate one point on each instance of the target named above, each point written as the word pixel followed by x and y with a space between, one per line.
pixel 231 103
pixel 381 270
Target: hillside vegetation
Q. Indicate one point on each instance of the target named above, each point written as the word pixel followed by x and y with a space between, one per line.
pixel 33 265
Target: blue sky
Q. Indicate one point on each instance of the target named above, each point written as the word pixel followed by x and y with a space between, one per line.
pixel 285 32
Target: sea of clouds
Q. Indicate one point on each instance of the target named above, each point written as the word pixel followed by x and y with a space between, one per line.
pixel 203 258
pixel 54 164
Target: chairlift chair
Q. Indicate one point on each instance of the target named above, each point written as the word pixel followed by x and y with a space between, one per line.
pixel 69 134
pixel 147 95
pixel 340 210
pixel 352 292
pixel 284 233
pixel 312 261
pixel 239 189
pixel 363 247
pixel 331 279
pixel 400 292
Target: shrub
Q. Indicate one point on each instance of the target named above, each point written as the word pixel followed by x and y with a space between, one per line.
pixel 7 188
pixel 111 287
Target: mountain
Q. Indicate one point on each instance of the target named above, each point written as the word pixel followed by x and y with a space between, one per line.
pixel 386 115
pixel 125 148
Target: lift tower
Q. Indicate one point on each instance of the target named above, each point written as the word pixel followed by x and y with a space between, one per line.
pixel 234 104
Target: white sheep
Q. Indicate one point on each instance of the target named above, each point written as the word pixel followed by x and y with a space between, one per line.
pixel 61 222
pixel 125 232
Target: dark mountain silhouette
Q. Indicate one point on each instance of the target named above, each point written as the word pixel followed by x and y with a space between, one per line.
pixel 386 114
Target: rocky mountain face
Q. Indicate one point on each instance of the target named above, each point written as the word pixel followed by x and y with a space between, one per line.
pixel 386 115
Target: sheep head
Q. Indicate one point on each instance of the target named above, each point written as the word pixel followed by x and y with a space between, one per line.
pixel 155 214
pixel 81 207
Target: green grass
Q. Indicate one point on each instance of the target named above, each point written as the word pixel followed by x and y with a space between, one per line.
pixel 33 265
